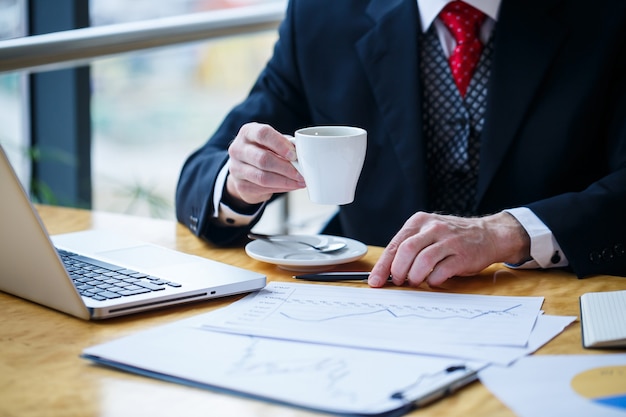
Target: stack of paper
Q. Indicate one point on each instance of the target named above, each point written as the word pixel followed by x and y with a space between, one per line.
pixel 339 349
pixel 476 327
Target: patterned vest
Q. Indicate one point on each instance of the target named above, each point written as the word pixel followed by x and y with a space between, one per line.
pixel 452 128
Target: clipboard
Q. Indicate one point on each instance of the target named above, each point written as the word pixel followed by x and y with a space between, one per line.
pixel 331 379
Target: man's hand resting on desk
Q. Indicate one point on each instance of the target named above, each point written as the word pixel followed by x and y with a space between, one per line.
pixel 259 165
pixel 434 247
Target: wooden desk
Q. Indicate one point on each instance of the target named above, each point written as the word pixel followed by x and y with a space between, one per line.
pixel 41 373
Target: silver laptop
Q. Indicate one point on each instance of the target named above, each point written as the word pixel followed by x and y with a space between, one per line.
pixel 95 274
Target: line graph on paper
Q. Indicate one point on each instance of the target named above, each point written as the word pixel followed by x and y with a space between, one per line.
pixel 379 318
pixel 329 378
pixel 330 373
pixel 407 312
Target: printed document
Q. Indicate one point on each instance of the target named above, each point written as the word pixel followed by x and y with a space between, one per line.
pixel 401 321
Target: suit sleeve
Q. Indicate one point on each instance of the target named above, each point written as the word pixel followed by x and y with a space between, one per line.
pixel 275 99
pixel 590 225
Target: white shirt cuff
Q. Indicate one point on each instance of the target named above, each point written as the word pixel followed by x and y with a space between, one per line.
pixel 229 217
pixel 220 183
pixel 223 213
pixel 544 249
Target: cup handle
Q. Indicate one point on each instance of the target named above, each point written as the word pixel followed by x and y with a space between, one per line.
pixel 295 163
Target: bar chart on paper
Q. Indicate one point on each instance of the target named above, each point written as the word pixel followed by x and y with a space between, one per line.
pixel 399 319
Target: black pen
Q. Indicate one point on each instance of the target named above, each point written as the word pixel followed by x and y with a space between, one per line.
pixel 335 276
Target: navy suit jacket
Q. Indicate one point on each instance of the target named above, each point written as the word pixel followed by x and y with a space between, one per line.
pixel 554 138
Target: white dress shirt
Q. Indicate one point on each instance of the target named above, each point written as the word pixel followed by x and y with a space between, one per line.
pixel 544 249
pixel 223 213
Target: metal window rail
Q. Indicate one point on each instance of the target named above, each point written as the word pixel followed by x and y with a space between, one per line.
pixel 80 46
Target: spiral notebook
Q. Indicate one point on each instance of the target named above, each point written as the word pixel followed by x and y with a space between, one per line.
pixel 603 319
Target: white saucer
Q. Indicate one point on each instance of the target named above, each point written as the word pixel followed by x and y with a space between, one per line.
pixel 293 256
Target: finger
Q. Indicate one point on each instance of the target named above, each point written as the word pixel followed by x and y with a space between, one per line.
pixel 392 263
pixel 426 261
pixel 251 193
pixel 382 269
pixel 407 263
pixel 443 271
pixel 267 137
pixel 249 181
pixel 250 161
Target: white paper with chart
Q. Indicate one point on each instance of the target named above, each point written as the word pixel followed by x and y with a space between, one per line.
pixel 367 378
pixel 332 379
pixel 394 320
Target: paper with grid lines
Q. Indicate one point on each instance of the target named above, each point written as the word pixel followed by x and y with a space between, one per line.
pixel 395 320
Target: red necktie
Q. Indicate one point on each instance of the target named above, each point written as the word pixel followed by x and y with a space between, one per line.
pixel 464 23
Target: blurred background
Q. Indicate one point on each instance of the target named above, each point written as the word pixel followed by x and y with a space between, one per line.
pixel 150 109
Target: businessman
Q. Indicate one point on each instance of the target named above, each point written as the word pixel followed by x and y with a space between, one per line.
pixel 519 157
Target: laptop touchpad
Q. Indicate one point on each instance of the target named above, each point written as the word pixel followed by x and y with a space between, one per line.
pixel 144 257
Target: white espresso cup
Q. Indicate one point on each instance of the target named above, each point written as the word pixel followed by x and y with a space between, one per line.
pixel 330 159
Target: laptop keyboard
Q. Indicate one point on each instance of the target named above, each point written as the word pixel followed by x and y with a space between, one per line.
pixel 103 281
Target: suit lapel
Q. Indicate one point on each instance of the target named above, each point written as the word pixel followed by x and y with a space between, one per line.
pixel 526 42
pixel 389 53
